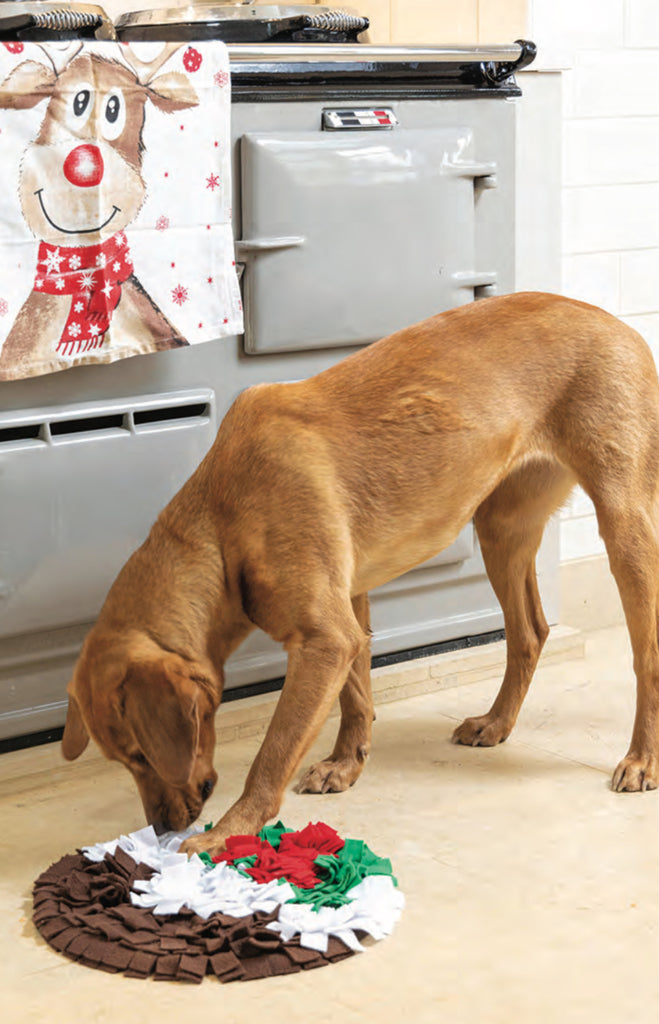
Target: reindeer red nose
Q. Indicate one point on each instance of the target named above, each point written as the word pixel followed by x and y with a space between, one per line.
pixel 84 166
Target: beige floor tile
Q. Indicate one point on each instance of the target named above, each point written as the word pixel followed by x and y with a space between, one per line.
pixel 532 889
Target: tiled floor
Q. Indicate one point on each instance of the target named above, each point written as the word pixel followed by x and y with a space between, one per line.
pixel 532 889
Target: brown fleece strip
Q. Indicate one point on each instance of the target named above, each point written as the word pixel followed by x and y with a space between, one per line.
pixel 83 909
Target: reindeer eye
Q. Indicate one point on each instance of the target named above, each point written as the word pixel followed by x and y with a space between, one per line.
pixel 112 109
pixel 80 105
pixel 114 115
pixel 81 102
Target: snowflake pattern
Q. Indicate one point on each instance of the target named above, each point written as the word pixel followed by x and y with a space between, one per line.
pixel 74 330
pixel 94 330
pixel 52 261
pixel 78 307
pixel 162 223
pixel 107 289
pixel 213 182
pixel 4 307
pixel 221 78
pixel 101 260
pixel 59 283
pixel 74 263
pixel 87 281
pixel 116 266
pixel 179 295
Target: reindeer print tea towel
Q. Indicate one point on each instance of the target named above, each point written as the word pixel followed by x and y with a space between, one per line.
pixel 115 202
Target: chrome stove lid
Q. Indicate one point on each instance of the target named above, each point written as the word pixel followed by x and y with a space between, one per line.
pixel 42 19
pixel 244 22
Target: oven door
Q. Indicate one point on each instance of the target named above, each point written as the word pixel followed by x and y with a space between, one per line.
pixel 350 235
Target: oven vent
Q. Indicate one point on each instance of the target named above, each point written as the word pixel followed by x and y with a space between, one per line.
pixel 24 432
pixel 80 486
pixel 85 425
pixel 107 419
pixel 196 410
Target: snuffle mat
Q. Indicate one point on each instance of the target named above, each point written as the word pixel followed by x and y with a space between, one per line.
pixel 274 903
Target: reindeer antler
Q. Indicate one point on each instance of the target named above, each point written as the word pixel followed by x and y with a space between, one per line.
pixel 59 53
pixel 147 70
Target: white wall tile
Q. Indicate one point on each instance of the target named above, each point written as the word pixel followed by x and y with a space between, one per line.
pixel 579 538
pixel 538 177
pixel 614 150
pixel 595 278
pixel 639 281
pixel 647 326
pixel 560 28
pixel 610 217
pixel 578 504
pixel 641 23
pixel 615 84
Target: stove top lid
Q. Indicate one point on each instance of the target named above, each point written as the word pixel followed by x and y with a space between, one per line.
pixel 41 18
pixel 224 10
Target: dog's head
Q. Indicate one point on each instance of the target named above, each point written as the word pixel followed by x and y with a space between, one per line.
pixel 154 711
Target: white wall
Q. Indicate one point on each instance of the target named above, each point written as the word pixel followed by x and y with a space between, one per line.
pixel 610 172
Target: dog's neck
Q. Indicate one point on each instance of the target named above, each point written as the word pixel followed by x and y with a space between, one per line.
pixel 185 610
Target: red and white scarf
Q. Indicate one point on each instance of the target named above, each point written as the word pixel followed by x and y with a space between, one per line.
pixel 92 275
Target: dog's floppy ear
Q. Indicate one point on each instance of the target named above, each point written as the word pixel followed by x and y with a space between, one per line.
pixel 161 707
pixel 75 737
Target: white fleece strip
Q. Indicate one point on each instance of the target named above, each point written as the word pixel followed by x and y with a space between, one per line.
pixel 178 881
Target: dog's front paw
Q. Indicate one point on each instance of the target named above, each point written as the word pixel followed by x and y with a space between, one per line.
pixel 483 731
pixel 330 776
pixel 635 774
pixel 205 842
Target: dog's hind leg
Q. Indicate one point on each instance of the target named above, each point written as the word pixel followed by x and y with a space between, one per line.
pixel 344 765
pixel 510 524
pixel 629 530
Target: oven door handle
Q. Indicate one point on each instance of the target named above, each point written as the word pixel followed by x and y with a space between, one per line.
pixel 248 247
pixel 483 282
pixel 482 173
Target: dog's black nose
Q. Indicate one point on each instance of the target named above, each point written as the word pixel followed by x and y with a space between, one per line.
pixel 159 827
pixel 206 789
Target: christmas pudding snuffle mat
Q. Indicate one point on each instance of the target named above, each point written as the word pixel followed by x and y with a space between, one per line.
pixel 274 903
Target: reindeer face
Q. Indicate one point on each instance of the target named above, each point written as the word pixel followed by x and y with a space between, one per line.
pixel 80 179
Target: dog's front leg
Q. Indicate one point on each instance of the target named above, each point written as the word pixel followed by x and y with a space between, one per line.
pixel 317 669
pixel 345 764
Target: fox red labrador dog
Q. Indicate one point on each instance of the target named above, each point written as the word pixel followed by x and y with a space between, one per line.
pixel 315 492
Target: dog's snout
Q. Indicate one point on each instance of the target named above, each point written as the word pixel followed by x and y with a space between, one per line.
pixel 84 166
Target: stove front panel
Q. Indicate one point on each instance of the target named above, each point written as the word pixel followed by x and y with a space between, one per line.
pixel 51 592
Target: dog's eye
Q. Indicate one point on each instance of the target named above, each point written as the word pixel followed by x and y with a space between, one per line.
pixel 206 789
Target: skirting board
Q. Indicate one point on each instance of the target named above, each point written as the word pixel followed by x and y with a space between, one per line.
pixel 251 716
pixel 23 770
